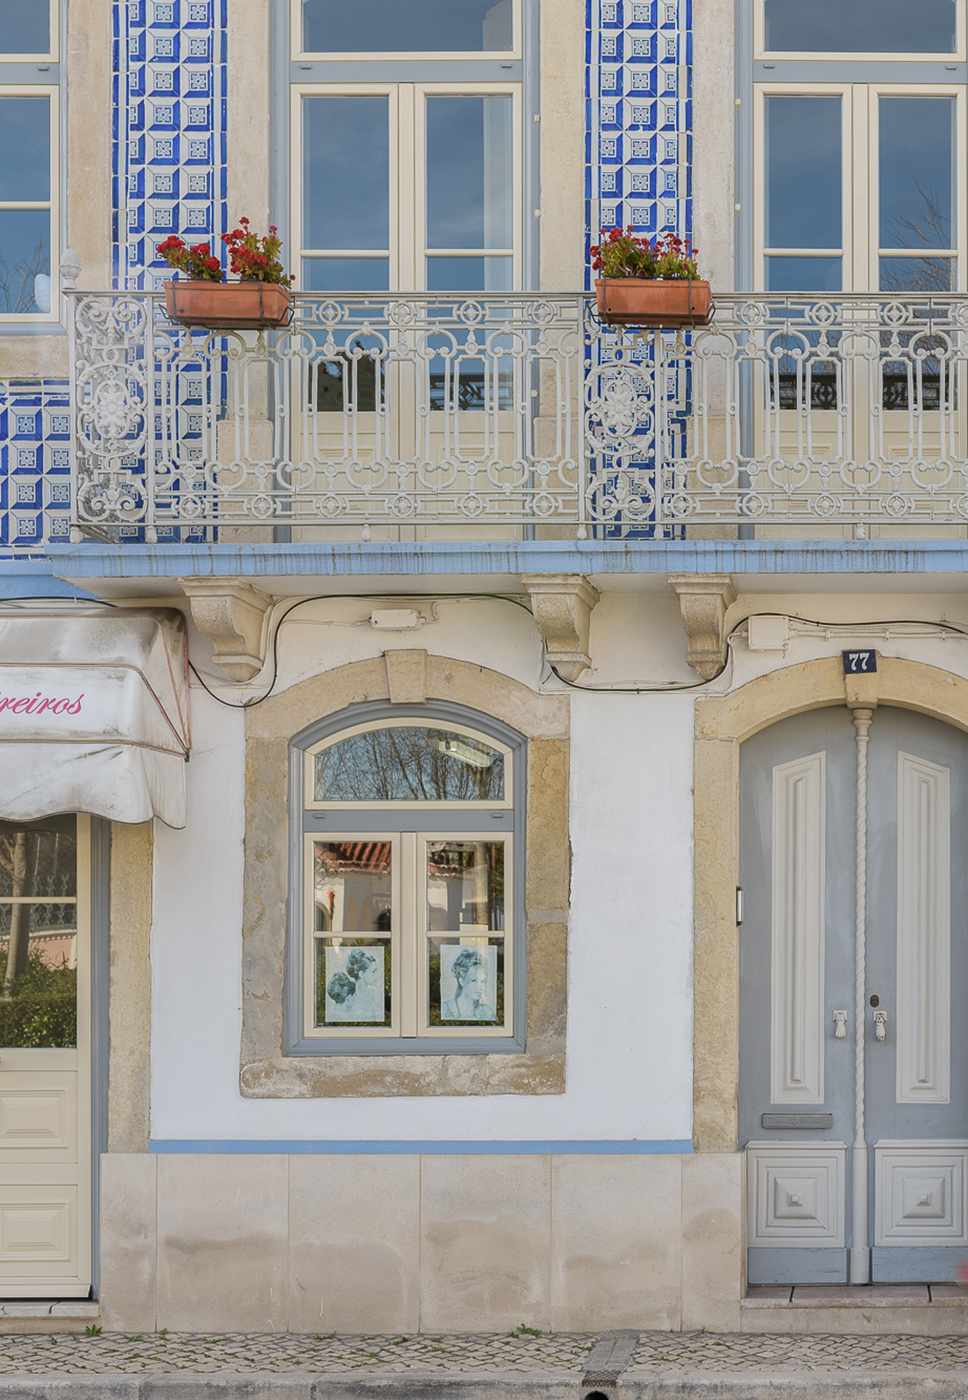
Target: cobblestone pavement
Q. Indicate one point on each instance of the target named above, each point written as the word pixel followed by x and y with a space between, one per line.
pixel 291 1352
pixel 708 1351
pixel 564 1353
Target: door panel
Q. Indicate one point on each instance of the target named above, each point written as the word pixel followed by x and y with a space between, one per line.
pixel 45 1130
pixel 799 854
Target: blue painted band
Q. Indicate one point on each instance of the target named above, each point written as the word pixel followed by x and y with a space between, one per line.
pixel 427 559
pixel 610 1147
pixel 34 578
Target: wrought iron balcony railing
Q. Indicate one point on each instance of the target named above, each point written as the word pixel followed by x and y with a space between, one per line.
pixel 503 415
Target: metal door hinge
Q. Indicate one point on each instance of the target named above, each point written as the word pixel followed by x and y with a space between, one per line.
pixel 739 905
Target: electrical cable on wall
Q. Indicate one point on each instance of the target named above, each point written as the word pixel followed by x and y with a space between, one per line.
pixel 350 597
pixel 673 688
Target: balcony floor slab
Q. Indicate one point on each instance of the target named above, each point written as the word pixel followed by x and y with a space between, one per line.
pixel 755 565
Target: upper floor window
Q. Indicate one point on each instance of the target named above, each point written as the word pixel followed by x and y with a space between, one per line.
pixel 858 170
pixel 408 170
pixel 410 871
pixel 884 27
pixel 29 129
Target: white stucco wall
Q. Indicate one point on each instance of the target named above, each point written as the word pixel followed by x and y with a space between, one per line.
pixel 629 1026
pixel 630 945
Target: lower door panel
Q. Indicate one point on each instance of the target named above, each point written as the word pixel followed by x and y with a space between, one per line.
pixel 796 1266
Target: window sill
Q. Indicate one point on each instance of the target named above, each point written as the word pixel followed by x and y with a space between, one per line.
pixel 419 1075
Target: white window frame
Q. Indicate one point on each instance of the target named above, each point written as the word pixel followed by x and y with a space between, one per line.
pixel 444 55
pixel 408 250
pixel 409 937
pixel 860 249
pixel 53 204
pixel 760 51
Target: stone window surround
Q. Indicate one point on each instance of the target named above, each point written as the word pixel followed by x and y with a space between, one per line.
pixel 722 723
pixel 407 676
pixel 402 817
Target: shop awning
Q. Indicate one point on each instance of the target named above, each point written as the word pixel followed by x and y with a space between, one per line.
pixel 93 712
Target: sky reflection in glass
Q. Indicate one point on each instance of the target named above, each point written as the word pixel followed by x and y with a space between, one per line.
pixel 860 26
pixel 416 26
pixel 346 168
pixel 804 275
pixel 469 170
pixel 24 26
pixel 24 148
pixel 803 169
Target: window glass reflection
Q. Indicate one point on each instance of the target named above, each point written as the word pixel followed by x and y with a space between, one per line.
pixel 469 172
pixel 346 167
pixel 24 148
pixel 465 886
pixel 24 26
pixel 803 171
pixel 409 764
pixel 804 274
pixel 24 261
pixel 418 26
pixel 352 883
pixel 38 933
pixel 917 274
pixel 860 26
pixel 470 274
pixel 916 175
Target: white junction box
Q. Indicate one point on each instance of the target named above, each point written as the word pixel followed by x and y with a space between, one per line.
pixel 768 633
pixel 396 619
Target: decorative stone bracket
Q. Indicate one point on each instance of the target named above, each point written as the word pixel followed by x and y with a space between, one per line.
pixel 703 600
pixel 232 613
pixel 562 605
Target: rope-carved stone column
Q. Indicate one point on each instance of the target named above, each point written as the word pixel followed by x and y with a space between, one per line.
pixel 859 1249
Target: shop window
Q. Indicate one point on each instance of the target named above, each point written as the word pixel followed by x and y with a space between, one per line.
pixel 407 885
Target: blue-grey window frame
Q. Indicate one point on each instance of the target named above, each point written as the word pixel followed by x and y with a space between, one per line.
pixel 525 71
pixel 303 820
pixel 750 71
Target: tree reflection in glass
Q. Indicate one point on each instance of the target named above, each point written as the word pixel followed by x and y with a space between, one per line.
pixel 410 763
pixel 38 933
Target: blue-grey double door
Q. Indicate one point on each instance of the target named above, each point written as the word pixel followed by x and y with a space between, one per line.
pixel 820 891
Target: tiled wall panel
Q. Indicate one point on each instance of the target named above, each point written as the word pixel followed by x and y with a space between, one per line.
pixel 639 117
pixel 169 138
pixel 35 467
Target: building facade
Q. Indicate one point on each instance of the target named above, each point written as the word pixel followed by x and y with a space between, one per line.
pixel 482 791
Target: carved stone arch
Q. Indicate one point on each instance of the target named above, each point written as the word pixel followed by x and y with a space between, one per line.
pixel 722 723
pixel 411 677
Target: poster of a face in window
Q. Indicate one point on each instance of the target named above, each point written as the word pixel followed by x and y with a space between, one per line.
pixel 468 983
pixel 355 985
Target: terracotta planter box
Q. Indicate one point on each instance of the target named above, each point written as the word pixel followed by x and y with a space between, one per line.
pixel 234 305
pixel 643 301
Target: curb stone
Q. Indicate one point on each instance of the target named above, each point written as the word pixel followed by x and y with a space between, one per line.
pixel 803 1385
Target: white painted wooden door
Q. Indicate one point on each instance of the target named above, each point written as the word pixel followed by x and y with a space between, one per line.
pixel 853 954
pixel 45 1094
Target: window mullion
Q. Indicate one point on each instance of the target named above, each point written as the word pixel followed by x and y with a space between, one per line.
pixel 408 933
pixel 403 228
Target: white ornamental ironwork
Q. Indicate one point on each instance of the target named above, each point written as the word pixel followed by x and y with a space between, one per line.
pixel 504 413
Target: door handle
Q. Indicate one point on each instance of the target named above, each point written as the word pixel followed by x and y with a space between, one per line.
pixel 880 1024
pixel 840 1025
